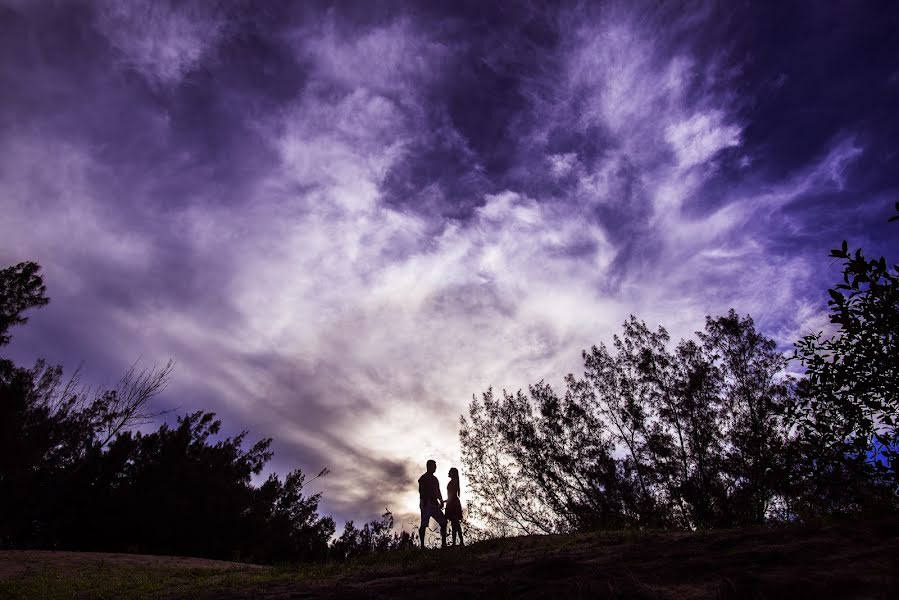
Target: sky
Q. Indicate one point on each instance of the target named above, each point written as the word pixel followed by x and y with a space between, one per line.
pixel 342 220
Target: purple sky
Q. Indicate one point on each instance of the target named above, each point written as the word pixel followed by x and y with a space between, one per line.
pixel 341 221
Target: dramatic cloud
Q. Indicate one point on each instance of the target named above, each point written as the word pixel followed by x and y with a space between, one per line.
pixel 343 223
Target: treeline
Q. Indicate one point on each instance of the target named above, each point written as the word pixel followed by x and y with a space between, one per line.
pixel 713 432
pixel 75 475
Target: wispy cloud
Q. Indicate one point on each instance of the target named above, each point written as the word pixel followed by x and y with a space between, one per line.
pixel 162 40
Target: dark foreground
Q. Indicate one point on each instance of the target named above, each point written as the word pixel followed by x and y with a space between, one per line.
pixel 847 560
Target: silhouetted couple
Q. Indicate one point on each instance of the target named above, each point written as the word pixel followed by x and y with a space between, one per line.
pixel 432 504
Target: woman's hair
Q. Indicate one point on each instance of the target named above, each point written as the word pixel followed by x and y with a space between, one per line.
pixel 454 473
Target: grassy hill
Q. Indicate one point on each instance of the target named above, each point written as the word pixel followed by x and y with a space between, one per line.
pixel 844 560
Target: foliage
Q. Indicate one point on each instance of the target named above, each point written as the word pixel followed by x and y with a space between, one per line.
pixel 711 434
pixel 21 288
pixel 172 491
pixel 51 432
pixel 284 524
pixel 73 474
pixel 847 407
pixel 647 438
pixel 374 537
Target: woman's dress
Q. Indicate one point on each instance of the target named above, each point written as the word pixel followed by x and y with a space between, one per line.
pixel 453 504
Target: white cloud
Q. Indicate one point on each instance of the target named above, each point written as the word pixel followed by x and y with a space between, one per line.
pixel 700 137
pixel 52 214
pixel 389 59
pixel 561 164
pixel 162 40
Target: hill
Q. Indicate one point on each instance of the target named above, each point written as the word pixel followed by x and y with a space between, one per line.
pixel 844 560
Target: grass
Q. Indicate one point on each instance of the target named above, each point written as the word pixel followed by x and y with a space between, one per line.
pixel 108 581
pixel 853 560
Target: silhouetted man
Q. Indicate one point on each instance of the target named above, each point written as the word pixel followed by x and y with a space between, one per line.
pixel 431 503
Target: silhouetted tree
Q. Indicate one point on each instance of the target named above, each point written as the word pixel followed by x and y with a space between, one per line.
pixel 21 288
pixel 375 536
pixel 74 475
pixel 847 407
pixel 648 437
pixel 284 524
pixel 49 429
pixel 753 394
pixel 508 499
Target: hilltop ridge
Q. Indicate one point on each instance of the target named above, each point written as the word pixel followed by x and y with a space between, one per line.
pixel 853 559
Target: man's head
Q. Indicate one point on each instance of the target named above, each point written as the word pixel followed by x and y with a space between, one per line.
pixel 432 466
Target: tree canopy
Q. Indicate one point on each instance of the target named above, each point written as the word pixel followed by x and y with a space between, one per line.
pixel 712 433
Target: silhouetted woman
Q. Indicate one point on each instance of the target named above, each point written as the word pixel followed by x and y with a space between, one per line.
pixel 454 505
